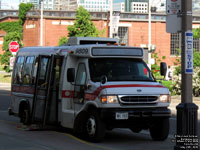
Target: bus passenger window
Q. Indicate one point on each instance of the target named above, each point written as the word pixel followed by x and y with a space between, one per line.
pixel 35 66
pixel 43 71
pixel 18 70
pixel 27 73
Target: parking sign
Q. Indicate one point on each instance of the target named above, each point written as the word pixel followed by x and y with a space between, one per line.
pixel 188 52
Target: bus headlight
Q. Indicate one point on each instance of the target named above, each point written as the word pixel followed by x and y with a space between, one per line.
pixel 111 99
pixel 165 98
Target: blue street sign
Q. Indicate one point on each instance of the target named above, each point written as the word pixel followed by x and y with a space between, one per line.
pixel 188 52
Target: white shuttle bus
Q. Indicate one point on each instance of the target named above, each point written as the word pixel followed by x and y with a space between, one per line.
pixel 90 85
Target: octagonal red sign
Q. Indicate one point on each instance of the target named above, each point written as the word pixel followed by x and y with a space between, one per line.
pixel 13 46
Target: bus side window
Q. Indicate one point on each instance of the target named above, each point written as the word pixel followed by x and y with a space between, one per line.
pixel 27 73
pixel 18 70
pixel 43 71
pixel 35 66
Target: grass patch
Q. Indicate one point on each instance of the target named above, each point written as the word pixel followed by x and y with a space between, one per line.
pixel 1 68
pixel 4 78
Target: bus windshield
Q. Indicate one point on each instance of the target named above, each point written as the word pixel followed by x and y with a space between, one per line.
pixel 119 69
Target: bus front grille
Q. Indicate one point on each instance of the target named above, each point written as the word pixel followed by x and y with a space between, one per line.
pixel 138 99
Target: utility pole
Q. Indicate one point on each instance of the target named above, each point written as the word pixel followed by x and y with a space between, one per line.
pixel 41 23
pixel 149 38
pixel 111 21
pixel 186 110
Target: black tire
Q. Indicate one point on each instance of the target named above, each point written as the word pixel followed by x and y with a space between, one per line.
pixel 136 129
pixel 94 127
pixel 160 130
pixel 25 117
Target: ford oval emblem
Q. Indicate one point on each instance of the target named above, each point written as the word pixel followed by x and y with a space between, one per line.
pixel 139 90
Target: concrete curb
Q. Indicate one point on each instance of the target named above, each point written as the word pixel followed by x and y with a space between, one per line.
pixel 5 84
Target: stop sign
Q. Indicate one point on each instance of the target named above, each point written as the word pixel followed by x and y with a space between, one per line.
pixel 13 46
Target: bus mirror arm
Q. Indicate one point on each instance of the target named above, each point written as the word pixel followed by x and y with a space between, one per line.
pixel 103 79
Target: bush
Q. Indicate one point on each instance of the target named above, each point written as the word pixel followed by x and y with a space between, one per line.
pixel 176 85
pixel 168 84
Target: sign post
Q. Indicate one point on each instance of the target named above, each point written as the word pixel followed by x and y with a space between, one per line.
pixel 186 130
pixel 13 47
pixel 173 12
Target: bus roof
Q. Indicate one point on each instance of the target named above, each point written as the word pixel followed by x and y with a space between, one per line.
pixel 92 50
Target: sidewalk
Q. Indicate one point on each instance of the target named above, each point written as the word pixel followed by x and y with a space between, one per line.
pixel 5 86
pixel 176 100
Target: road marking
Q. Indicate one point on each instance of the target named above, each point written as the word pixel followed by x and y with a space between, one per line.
pixel 69 135
pixel 85 142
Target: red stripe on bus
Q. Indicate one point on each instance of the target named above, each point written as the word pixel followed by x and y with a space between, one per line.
pixel 94 95
pixel 134 85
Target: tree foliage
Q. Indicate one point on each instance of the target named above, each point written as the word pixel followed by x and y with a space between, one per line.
pixel 63 40
pixel 83 26
pixel 23 9
pixel 11 27
pixel 4 58
pixel 14 32
pixel 196 33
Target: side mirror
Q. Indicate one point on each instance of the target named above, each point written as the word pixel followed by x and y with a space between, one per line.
pixel 163 68
pixel 103 79
pixel 71 75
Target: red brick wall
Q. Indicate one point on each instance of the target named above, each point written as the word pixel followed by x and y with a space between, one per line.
pixel 55 28
pixel 31 33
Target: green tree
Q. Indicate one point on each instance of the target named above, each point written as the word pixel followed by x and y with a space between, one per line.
pixel 83 26
pixel 23 9
pixel 14 32
pixel 63 40
pixel 196 33
pixel 4 58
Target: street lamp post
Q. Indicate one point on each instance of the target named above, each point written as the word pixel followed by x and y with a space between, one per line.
pixel 111 21
pixel 41 23
pixel 149 37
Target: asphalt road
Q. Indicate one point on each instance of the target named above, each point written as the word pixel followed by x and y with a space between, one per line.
pixel 13 136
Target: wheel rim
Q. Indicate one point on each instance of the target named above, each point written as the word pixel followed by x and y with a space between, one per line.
pixel 91 126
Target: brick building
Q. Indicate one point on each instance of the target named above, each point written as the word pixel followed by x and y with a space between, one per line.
pixel 133 30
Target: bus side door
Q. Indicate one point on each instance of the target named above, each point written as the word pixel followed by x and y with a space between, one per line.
pixel 45 102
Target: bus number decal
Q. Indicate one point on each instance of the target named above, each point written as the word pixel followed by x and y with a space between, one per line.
pixel 82 51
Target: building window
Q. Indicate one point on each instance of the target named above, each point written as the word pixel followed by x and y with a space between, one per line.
pixel 196 44
pixel 176 44
pixel 123 35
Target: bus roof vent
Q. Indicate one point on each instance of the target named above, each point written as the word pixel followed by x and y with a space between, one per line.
pixel 90 40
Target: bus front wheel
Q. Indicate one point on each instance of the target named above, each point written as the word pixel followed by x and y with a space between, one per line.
pixel 95 128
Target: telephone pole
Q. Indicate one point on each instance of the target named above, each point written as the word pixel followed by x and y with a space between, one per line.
pixel 186 110
pixel 41 23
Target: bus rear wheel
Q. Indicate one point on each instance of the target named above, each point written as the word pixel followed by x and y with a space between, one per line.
pixel 95 128
pixel 25 117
